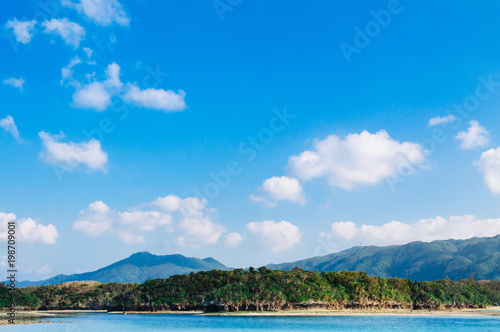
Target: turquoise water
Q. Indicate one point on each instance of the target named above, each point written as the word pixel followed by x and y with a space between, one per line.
pixel 160 322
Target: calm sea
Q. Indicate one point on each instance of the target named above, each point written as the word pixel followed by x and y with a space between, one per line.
pixel 160 322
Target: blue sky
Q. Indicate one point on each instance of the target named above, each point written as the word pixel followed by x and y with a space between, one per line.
pixel 316 149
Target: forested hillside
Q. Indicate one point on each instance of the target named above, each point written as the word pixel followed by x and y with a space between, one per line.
pixel 455 259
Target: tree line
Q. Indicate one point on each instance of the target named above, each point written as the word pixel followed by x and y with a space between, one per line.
pixel 259 290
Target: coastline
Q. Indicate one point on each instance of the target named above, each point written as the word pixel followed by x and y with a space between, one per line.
pixel 489 311
pixel 34 317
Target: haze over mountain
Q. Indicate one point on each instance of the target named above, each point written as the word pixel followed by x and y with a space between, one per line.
pixel 138 268
pixel 455 259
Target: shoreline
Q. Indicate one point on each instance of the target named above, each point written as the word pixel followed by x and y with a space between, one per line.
pixel 490 311
pixel 34 317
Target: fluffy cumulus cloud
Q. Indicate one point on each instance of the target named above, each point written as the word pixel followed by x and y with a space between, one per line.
pixel 195 225
pixel 356 159
pixel 93 95
pixel 158 99
pixel 278 189
pixel 276 236
pixel 441 120
pixel 189 218
pixel 169 203
pixel 72 155
pixel 489 165
pixel 233 240
pixel 72 33
pixel 98 219
pixel 95 220
pixel 97 95
pixel 15 82
pixel 23 30
pixel 475 136
pixel 198 231
pixel 9 126
pixel 27 230
pixel 102 12
pixel 396 232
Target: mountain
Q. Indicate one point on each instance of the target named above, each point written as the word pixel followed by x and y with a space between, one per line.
pixel 455 259
pixel 138 268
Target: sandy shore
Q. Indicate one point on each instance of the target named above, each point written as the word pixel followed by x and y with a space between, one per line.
pixel 23 317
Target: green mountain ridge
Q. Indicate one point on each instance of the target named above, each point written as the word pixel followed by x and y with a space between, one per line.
pixel 420 261
pixel 455 259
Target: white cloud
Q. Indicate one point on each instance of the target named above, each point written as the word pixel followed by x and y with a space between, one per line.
pixel 199 231
pixel 15 82
pixel 280 188
pixel 102 12
pixel 67 72
pixel 195 224
pixel 71 32
pixel 345 229
pixel 27 230
pixel 99 207
pixel 9 125
pixel 144 220
pixel 71 155
pixel 396 232
pixel 489 165
pixel 277 236
pixel 475 136
pixel 21 29
pixel 88 52
pixel 169 203
pixel 32 232
pixel 97 95
pixel 438 120
pixel 93 95
pixel 113 76
pixel 95 220
pixel 158 99
pixel 189 217
pixel 233 240
pixel 356 159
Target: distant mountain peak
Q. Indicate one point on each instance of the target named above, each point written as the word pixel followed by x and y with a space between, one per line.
pixel 138 268
pixel 141 254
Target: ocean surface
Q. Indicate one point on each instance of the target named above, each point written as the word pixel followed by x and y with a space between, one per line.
pixel 179 322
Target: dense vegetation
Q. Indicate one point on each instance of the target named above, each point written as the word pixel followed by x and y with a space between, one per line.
pixel 261 289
